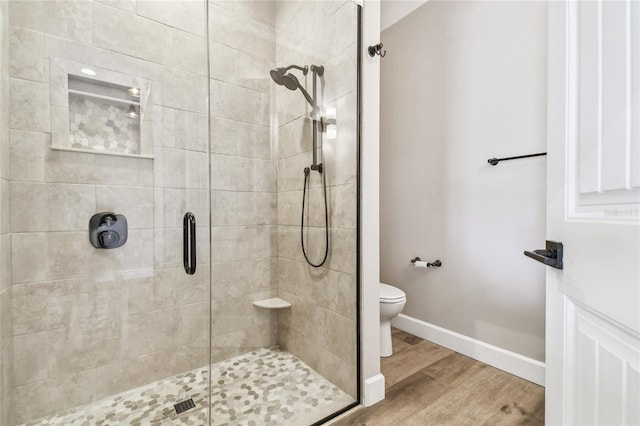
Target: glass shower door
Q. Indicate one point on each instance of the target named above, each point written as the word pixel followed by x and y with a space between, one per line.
pixel 109 120
pixel 284 333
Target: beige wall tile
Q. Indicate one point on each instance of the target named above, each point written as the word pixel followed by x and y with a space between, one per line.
pixel 343 250
pixel 254 141
pixel 253 72
pixel 53 395
pixel 343 206
pixel 173 287
pixel 255 175
pixel 69 255
pixel 337 334
pixel 242 341
pixel 224 103
pixel 77 167
pixel 128 5
pixel 301 317
pixel 165 253
pixel 6 322
pixel 28 257
pixel 237 243
pixel 191 131
pixel 5 208
pixel 27 55
pixel 135 203
pixel 293 278
pixel 222 60
pixel 27 153
pixel 51 207
pixel 55 47
pixel 140 295
pixel 186 15
pixel 129 373
pixel 224 136
pixel 29 105
pixel 52 304
pixel 224 208
pixel 181 49
pixel 228 315
pixel 79 346
pixel 335 291
pixel 259 10
pixel 6 385
pixel 295 137
pixel 172 204
pixel 241 32
pixel 5 262
pixel 175 88
pixel 30 201
pixel 67 19
pixel 256 208
pixel 233 279
pixel 224 172
pixel 341 83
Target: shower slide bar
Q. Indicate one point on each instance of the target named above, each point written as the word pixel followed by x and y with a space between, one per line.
pixel 495 161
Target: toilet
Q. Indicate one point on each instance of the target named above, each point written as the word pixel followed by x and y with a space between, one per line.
pixel 392 301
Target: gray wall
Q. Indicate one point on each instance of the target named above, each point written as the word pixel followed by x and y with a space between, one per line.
pixel 463 82
pixel 6 335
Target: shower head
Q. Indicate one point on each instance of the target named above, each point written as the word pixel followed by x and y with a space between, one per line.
pixel 290 81
pixel 278 73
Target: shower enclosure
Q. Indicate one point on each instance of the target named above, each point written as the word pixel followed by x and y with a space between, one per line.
pixel 193 302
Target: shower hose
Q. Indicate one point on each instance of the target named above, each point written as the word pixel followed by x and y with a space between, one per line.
pixel 307 171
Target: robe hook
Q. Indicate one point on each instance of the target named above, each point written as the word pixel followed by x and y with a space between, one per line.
pixel 377 50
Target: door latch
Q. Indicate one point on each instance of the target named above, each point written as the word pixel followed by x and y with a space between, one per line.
pixel 551 256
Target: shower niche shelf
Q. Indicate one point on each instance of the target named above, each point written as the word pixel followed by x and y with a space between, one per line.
pixel 104 117
pixel 273 303
pixel 100 111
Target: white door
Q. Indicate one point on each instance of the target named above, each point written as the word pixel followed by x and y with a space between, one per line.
pixel 593 196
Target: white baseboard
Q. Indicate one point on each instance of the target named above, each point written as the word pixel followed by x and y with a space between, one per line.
pixel 511 362
pixel 373 390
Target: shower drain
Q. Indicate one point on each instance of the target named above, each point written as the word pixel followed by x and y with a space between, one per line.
pixel 185 405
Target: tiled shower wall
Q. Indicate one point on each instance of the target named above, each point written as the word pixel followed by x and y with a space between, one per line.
pixel 243 189
pixel 320 327
pixel 6 335
pixel 89 323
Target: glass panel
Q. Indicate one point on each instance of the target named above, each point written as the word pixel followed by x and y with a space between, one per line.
pixel 121 335
pixel 295 360
pixel 106 335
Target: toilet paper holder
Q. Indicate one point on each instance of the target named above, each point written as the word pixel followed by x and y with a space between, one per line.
pixel 436 263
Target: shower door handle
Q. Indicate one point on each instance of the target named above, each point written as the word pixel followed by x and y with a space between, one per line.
pixel 189 243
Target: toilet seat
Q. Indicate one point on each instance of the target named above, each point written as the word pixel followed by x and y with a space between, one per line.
pixel 391 294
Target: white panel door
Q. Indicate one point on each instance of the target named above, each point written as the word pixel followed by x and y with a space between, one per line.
pixel 593 207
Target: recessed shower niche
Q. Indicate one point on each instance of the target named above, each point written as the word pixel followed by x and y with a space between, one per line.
pixel 101 111
pixel 104 116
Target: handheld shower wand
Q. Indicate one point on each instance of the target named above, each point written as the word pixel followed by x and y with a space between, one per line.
pixel 283 78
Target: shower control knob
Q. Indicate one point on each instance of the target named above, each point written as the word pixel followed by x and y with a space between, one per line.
pixel 107 230
pixel 108 239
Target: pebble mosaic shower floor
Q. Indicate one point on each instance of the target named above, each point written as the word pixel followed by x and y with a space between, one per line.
pixel 263 387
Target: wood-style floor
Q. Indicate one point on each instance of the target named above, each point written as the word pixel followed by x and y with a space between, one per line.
pixel 427 384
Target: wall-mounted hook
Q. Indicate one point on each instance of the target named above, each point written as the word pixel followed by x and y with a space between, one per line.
pixel 377 50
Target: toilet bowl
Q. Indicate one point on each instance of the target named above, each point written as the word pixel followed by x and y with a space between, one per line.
pixel 392 301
